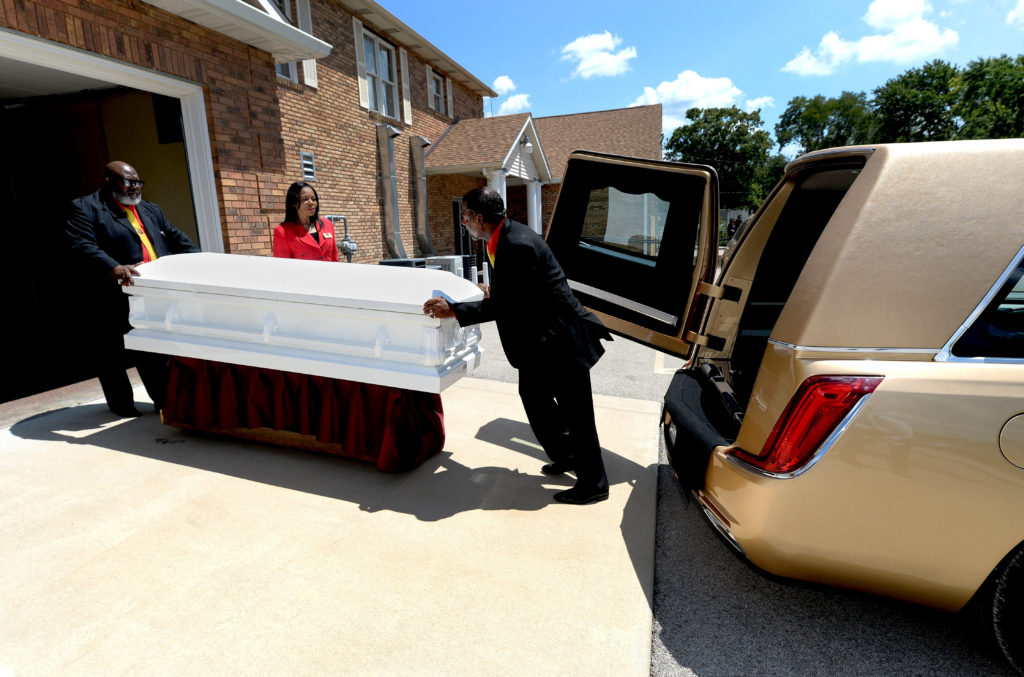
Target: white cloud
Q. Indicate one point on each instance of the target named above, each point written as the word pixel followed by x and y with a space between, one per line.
pixel 514 104
pixel 688 90
pixel 760 103
pixel 907 37
pixel 831 52
pixel 503 85
pixel 890 14
pixel 909 42
pixel 1016 15
pixel 595 56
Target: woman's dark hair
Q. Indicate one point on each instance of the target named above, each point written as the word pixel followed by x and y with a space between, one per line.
pixel 291 202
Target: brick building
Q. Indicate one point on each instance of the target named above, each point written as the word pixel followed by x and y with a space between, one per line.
pixel 220 105
pixel 215 102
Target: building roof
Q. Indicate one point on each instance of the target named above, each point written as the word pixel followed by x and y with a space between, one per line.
pixel 476 143
pixel 635 132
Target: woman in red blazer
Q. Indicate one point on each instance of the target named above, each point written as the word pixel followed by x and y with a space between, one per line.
pixel 304 235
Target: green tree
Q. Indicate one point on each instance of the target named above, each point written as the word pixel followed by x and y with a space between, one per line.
pixel 821 122
pixel 991 101
pixel 919 104
pixel 770 172
pixel 730 140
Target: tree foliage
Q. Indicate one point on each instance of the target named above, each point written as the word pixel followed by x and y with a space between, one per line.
pixel 919 104
pixel 935 102
pixel 730 140
pixel 991 99
pixel 769 173
pixel 821 122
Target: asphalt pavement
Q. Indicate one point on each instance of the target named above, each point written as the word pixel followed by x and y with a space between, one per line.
pixel 715 615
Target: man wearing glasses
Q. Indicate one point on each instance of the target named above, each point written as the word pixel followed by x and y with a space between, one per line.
pixel 546 334
pixel 110 233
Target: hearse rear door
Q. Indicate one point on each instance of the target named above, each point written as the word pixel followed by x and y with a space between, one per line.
pixel 638 240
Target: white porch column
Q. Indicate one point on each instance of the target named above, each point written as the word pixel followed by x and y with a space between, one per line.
pixel 534 216
pixel 496 180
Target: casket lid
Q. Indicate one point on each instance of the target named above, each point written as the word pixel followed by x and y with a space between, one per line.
pixel 349 285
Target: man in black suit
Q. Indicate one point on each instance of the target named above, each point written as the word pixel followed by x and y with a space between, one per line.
pixel 110 232
pixel 546 334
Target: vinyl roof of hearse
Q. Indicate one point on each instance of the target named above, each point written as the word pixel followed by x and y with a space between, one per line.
pixel 922 235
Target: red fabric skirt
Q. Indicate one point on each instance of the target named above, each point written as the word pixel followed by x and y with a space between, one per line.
pixel 395 428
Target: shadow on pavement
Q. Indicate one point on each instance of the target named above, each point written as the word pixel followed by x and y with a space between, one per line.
pixel 438 489
pixel 636 524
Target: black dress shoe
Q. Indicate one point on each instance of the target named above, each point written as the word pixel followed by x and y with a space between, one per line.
pixel 556 468
pixel 582 495
pixel 126 412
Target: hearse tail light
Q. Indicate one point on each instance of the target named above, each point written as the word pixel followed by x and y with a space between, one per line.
pixel 818 407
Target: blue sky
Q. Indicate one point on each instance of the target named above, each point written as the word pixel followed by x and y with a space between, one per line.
pixel 554 57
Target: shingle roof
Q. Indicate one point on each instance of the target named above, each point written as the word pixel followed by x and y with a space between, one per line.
pixel 625 131
pixel 477 141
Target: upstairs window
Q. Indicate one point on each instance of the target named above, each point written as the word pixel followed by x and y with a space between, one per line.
pixel 435 85
pixel 286 70
pixel 381 75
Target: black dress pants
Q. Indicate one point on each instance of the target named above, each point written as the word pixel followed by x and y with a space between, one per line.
pixel 112 361
pixel 560 407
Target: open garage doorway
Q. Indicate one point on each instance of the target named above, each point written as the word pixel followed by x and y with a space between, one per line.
pixel 60 130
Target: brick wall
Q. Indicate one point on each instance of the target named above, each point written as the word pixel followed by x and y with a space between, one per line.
pixel 238 86
pixel 548 198
pixel 440 191
pixel 329 122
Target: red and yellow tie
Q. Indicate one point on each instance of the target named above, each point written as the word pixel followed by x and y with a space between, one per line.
pixel 148 253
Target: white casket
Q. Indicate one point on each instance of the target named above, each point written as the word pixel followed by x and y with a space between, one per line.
pixel 356 322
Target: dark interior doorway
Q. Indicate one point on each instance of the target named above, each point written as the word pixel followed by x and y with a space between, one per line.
pixel 464 244
pixel 54 150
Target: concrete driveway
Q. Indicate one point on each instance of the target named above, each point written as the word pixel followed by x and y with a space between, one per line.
pixel 131 547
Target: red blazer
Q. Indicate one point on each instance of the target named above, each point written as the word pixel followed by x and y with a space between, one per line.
pixel 291 241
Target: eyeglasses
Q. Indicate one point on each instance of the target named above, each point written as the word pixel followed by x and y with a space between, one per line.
pixel 133 183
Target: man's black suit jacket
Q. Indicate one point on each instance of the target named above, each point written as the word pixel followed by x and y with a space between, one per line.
pixel 101 238
pixel 539 320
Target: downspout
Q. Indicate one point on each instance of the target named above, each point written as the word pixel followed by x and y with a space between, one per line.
pixel 389 188
pixel 418 148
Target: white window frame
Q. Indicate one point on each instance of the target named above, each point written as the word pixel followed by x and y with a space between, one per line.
pixel 378 86
pixel 284 10
pixel 435 91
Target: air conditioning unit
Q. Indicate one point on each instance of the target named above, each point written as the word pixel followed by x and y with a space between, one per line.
pixel 453 264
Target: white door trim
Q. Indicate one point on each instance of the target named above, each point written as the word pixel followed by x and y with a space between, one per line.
pixel 20 47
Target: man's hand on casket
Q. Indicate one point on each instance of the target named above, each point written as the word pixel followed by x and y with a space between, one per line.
pixel 438 307
pixel 124 274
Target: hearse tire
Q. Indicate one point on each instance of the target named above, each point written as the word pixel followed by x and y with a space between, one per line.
pixel 1008 610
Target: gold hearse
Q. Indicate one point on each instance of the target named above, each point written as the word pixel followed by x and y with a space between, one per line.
pixel 851 409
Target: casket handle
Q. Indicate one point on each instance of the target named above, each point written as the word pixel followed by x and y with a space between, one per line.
pixel 270 327
pixel 380 341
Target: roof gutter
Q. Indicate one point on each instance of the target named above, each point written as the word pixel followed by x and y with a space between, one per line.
pixel 239 20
